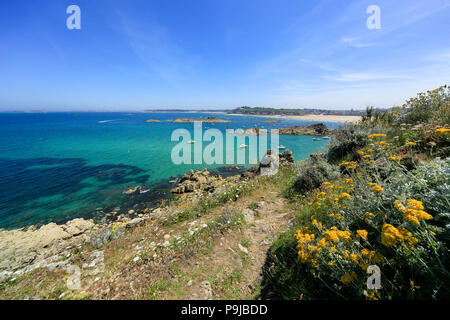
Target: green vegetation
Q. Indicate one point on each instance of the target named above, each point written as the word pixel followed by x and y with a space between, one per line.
pixel 388 205
pixel 291 112
pixel 206 204
pixel 158 287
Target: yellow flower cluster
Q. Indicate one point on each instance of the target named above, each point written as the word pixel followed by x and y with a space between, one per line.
pixel 375 187
pixel 361 234
pixel 348 164
pixel 117 225
pixel 337 216
pixel 394 158
pixel 410 143
pixel 442 131
pixel 376 135
pixel 390 235
pixel 344 195
pixel 336 235
pixel 413 211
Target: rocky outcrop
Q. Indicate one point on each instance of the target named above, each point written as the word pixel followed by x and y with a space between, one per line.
pixel 251 131
pixel 196 181
pixel 207 120
pixel 152 120
pixel 269 164
pixel 314 129
pixel 318 129
pixel 286 158
pixel 23 247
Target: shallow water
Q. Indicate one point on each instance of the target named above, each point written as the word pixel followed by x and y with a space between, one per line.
pixel 58 166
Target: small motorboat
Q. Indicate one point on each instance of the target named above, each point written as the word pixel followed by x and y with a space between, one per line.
pixel 326 137
pixel 281 147
pixel 316 139
pixel 191 141
pixel 243 146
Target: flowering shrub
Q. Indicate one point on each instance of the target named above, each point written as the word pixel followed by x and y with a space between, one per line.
pixel 378 212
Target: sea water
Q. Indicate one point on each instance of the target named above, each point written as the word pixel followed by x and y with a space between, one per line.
pixel 59 166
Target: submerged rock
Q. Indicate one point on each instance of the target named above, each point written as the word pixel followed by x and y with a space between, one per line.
pixel 137 190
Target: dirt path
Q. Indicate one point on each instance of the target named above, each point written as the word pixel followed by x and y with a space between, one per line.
pixel 232 270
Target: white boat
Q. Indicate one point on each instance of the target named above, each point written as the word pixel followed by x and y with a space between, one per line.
pixel 243 146
pixel 281 147
pixel 316 139
pixel 191 141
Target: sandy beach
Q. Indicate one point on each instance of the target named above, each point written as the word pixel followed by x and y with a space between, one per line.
pixel 312 117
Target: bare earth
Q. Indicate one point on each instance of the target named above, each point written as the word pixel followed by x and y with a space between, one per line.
pixel 311 117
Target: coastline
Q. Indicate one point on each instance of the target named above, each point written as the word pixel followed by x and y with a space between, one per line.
pixel 312 117
pixel 49 246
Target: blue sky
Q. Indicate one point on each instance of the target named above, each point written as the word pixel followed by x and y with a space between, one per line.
pixel 136 55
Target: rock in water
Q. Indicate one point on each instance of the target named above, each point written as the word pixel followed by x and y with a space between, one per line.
pixel 314 129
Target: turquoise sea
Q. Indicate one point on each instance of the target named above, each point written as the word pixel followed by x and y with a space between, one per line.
pixel 59 166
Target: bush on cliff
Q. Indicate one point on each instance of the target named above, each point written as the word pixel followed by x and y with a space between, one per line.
pixel 313 172
pixel 382 210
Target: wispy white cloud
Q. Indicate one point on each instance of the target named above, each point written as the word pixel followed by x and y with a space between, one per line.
pixel 354 42
pixel 154 47
pixel 364 76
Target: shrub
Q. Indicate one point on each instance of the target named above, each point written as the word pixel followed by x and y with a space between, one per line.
pixel 389 208
pixel 345 143
pixel 362 220
pixel 313 172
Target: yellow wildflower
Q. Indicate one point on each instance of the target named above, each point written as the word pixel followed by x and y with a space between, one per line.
pixel 344 195
pixel 390 235
pixel 361 234
pixel 376 135
pixel 377 188
pixel 442 131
